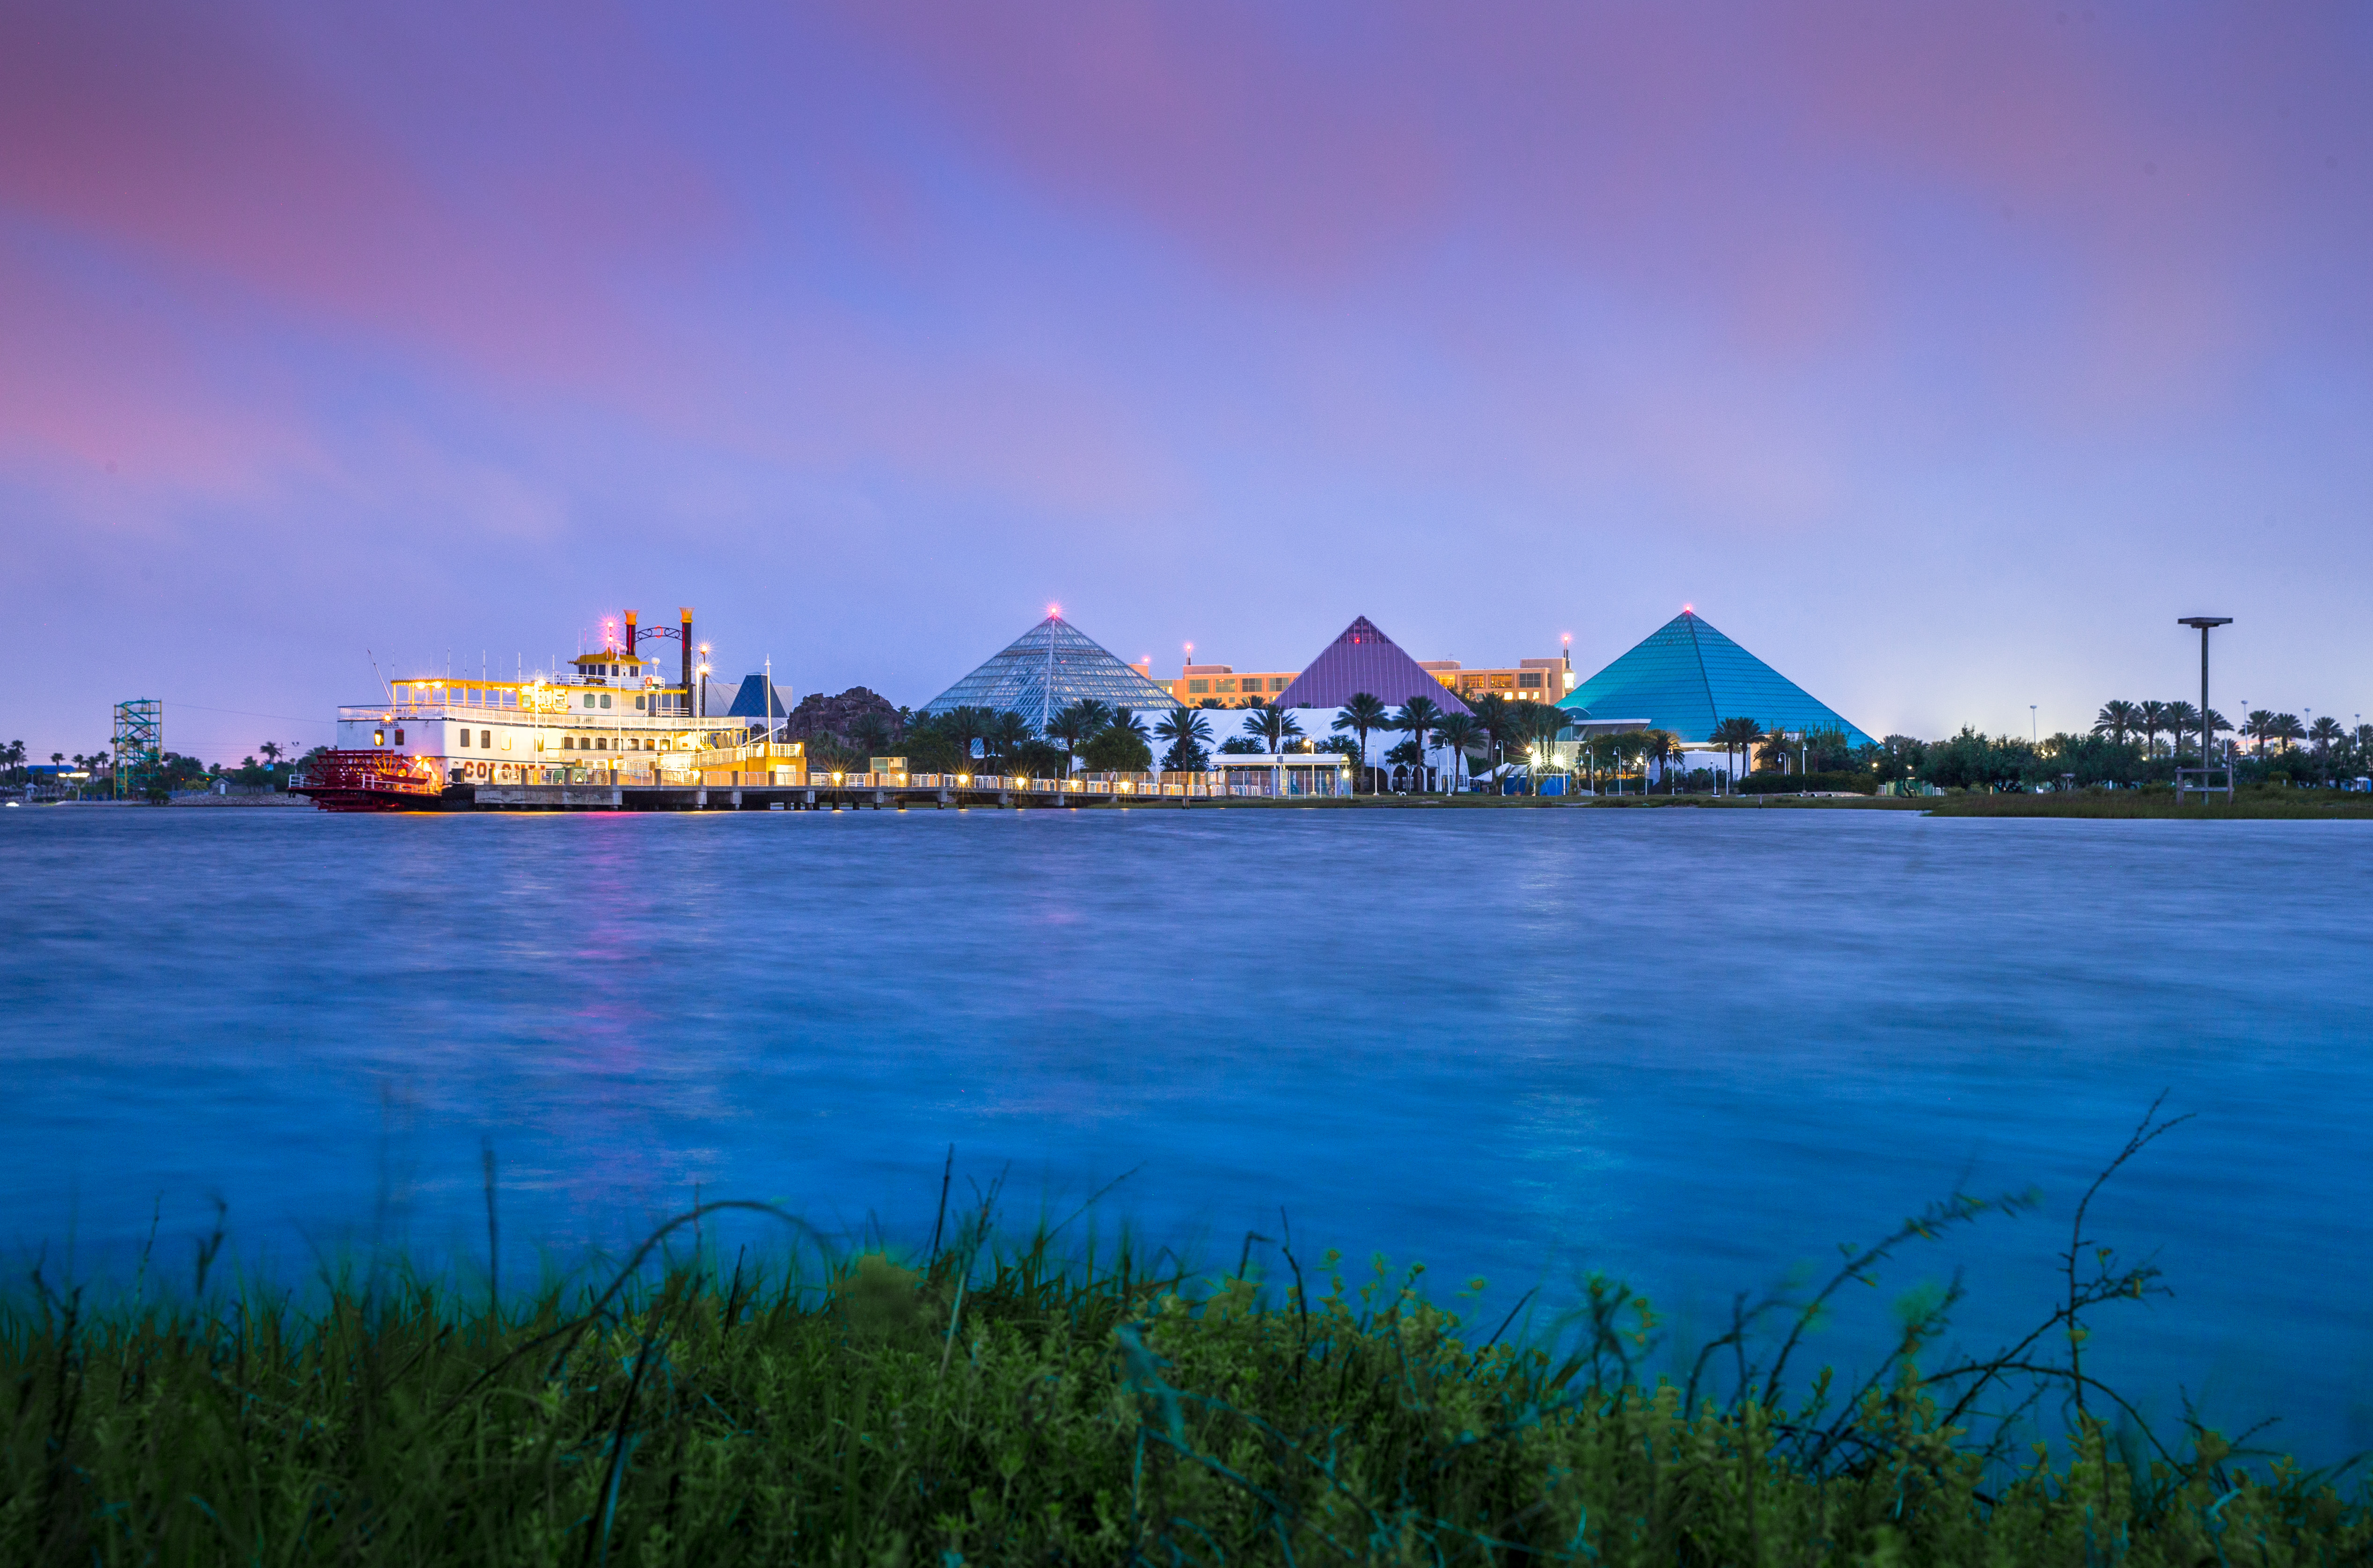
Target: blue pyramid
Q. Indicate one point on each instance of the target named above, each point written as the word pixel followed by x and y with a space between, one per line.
pixel 1686 677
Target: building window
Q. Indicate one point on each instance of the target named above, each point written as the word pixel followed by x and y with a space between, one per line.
pixel 1227 685
pixel 379 738
pixel 606 699
pixel 569 743
pixel 1529 680
pixel 465 738
pixel 1199 686
pixel 485 737
pixel 640 702
pixel 588 699
pixel 399 738
pixel 602 744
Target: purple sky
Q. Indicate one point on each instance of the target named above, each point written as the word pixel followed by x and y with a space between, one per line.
pixel 1941 355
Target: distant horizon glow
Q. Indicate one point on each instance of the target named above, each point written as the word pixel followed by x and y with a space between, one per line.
pixel 1949 355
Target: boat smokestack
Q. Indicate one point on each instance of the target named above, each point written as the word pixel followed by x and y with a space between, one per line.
pixel 630 633
pixel 686 645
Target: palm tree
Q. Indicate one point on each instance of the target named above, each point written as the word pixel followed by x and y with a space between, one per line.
pixel 1076 726
pixel 1491 712
pixel 1418 716
pixel 1362 714
pixel 2182 719
pixel 1272 724
pixel 1735 735
pixel 1456 731
pixel 2257 726
pixel 2117 720
pixel 1187 729
pixel 1662 747
pixel 2287 728
pixel 1547 719
pixel 2150 718
pixel 2327 733
pixel 1005 734
pixel 967 726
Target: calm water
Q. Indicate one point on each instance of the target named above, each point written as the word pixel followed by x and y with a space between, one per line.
pixel 1694 1049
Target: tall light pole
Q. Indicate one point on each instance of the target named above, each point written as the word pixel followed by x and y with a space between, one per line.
pixel 2205 622
pixel 2034 726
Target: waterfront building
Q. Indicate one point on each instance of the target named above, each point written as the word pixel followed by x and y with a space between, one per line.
pixel 1200 684
pixel 1364 659
pixel 1046 670
pixel 1686 677
pixel 1526 681
pixel 1290 775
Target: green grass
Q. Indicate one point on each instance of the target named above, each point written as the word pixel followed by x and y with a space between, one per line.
pixel 987 1406
pixel 2250 804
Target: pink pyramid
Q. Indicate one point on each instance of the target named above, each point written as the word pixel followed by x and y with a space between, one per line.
pixel 1364 659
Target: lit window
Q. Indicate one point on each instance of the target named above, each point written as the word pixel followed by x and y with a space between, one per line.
pixel 379 738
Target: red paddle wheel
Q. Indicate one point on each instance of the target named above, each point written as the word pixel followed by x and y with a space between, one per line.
pixel 370 781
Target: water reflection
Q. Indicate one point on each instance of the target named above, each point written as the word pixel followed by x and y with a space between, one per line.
pixel 1690 1047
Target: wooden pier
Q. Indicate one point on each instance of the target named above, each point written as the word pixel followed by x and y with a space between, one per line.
pixel 772 791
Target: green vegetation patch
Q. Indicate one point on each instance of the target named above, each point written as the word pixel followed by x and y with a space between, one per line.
pixel 975 1406
pixel 2258 804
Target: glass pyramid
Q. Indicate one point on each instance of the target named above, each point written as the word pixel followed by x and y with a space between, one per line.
pixel 1364 659
pixel 1046 670
pixel 1686 677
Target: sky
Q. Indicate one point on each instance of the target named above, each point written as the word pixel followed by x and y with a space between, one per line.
pixel 1941 355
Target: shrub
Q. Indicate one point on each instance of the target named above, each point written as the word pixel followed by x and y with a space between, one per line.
pixel 1797 784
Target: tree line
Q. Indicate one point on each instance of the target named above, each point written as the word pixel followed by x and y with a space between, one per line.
pixel 2129 744
pixel 175 771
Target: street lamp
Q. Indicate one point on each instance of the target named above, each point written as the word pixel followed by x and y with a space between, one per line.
pixel 2205 622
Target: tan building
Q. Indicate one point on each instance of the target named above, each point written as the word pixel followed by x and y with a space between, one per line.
pixel 1532 679
pixel 1529 680
pixel 1199 683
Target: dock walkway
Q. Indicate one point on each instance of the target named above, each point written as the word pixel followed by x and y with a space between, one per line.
pixel 852 791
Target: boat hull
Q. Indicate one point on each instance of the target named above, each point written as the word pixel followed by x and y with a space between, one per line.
pixel 372 780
